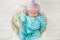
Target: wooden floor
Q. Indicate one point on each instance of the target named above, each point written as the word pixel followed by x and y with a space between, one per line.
pixel 50 7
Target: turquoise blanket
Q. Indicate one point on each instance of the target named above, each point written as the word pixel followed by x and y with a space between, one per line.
pixel 31 26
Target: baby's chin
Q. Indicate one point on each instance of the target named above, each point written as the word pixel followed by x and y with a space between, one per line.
pixel 33 15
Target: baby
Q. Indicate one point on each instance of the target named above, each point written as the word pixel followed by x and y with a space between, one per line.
pixel 33 24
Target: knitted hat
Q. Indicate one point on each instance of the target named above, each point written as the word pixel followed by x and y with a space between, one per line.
pixel 33 5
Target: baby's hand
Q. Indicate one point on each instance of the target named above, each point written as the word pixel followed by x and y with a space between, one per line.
pixel 25 10
pixel 41 31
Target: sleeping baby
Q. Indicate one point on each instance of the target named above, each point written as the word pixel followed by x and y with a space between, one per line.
pixel 33 22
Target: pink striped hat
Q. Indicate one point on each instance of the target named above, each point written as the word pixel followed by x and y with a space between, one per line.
pixel 33 5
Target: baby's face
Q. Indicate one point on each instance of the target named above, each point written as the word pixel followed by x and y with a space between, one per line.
pixel 33 13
